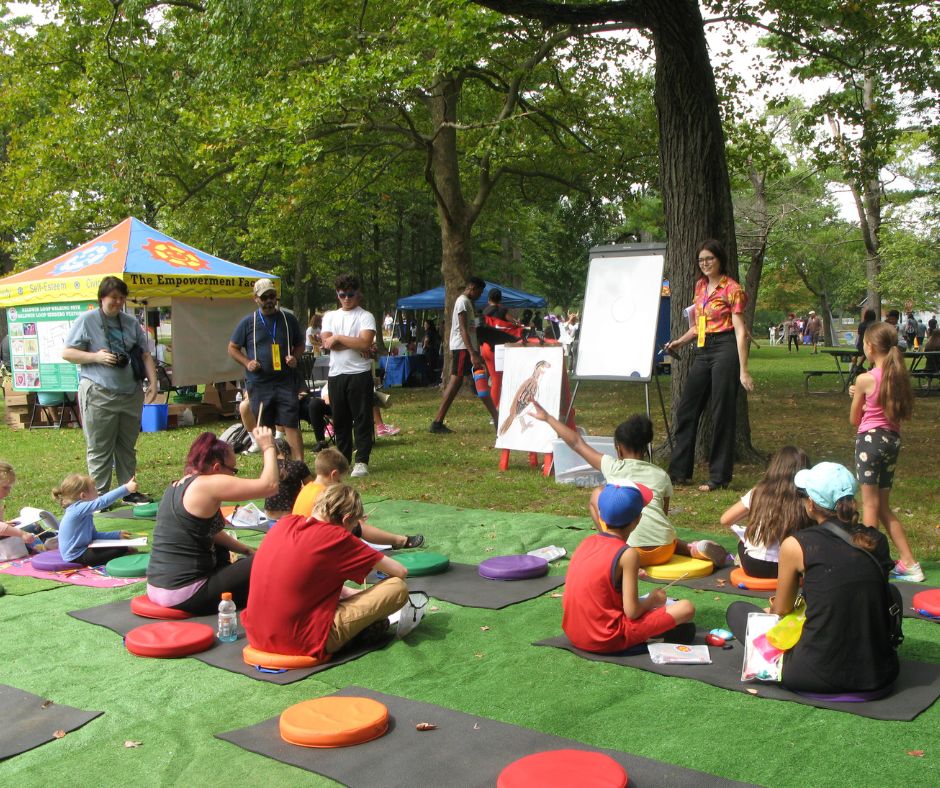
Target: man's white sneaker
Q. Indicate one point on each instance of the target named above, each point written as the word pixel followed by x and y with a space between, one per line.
pixel 359 469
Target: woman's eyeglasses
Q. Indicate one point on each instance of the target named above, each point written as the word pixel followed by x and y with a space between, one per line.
pixel 707 259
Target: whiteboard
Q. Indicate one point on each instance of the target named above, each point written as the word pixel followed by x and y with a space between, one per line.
pixel 621 311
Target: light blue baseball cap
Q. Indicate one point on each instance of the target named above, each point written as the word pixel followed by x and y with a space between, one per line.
pixel 826 483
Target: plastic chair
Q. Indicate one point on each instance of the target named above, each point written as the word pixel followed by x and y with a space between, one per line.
pixel 42 410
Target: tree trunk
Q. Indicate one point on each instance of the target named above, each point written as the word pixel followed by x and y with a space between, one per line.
pixel 694 174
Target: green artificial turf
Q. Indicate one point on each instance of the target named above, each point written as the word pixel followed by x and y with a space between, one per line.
pixel 476 661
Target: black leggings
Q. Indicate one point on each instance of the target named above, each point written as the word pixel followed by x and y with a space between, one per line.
pixel 755 567
pixel 226 577
pixel 94 556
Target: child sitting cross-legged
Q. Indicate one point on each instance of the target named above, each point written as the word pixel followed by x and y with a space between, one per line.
pixel 602 609
pixel 331 467
pixel 654 538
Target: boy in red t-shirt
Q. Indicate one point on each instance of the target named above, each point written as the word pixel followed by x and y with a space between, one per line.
pixel 297 600
pixel 602 609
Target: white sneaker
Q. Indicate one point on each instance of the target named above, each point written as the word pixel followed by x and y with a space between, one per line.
pixel 279 434
pixel 359 469
pixel 253 449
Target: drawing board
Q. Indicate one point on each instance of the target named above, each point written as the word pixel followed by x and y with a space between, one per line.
pixel 529 373
pixel 621 312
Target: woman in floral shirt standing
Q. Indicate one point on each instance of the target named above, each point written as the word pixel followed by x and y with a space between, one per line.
pixel 721 339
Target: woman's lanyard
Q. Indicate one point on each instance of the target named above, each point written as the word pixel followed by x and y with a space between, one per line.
pixel 701 317
pixel 107 333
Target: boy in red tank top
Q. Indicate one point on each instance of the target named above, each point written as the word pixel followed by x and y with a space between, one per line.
pixel 602 609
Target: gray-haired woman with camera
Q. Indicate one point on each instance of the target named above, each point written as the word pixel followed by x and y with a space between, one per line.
pixel 101 342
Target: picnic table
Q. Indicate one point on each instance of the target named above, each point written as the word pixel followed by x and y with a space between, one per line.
pixel 920 369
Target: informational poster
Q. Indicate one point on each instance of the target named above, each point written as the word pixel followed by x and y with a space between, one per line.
pixel 37 339
pixel 531 374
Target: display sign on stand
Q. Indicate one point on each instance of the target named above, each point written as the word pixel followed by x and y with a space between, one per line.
pixel 37 339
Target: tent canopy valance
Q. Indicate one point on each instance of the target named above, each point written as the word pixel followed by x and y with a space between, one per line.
pixel 151 263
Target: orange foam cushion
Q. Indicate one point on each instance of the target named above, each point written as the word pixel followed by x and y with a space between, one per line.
pixel 927 603
pixel 333 721
pixel 563 768
pixel 144 607
pixel 167 639
pixel 265 659
pixel 741 579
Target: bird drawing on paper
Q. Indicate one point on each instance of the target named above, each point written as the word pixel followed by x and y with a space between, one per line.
pixel 524 396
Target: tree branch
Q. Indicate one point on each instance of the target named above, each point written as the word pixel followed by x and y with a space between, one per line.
pixel 630 12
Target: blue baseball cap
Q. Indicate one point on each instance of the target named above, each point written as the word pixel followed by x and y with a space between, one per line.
pixel 620 504
pixel 826 483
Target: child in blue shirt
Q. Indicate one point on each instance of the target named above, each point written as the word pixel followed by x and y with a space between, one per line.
pixel 79 497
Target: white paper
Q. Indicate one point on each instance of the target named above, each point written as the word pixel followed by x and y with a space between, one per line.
pixel 678 654
pixel 550 553
pixel 531 373
pixel 139 542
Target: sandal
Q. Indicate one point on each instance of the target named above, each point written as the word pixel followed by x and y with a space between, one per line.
pixel 680 481
pixel 712 486
pixel 413 541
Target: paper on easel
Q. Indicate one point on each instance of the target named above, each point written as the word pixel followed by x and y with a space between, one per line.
pixel 139 542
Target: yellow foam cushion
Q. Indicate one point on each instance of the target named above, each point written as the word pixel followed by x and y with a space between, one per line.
pixel 333 721
pixel 266 659
pixel 743 580
pixel 679 565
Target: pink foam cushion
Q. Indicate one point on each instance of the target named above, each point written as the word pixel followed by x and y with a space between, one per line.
pixel 563 768
pixel 144 607
pixel 927 603
pixel 513 567
pixel 167 639
pixel 52 561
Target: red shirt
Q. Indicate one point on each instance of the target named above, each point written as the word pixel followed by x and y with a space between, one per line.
pixel 296 577
pixel 593 617
pixel 726 299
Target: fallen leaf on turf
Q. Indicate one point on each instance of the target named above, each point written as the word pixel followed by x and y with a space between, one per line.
pixel 717 598
pixel 435 609
pixel 484 629
pixel 916 753
pixel 46 704
pixel 556 596
pixel 425 726
pixel 721 582
pixel 58 734
pixel 131 744
pixel 488 549
pixel 479 655
pixel 752 691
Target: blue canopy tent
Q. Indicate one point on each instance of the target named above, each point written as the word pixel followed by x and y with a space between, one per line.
pixel 434 299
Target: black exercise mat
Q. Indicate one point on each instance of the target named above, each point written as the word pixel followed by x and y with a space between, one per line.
pixel 464 750
pixel 462 585
pixel 30 721
pixel 917 687
pixel 711 583
pixel 117 617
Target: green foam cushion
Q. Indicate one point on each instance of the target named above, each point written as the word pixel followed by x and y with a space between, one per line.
pixel 146 509
pixel 134 565
pixel 423 563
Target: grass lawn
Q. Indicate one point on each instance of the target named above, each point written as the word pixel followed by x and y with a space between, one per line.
pixel 477 661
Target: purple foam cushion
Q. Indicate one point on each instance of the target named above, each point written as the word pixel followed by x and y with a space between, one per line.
pixel 513 567
pixel 52 561
pixel 848 697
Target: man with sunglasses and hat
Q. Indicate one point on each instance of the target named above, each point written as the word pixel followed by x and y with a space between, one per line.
pixel 268 343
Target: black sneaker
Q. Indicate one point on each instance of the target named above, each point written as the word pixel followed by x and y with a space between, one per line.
pixel 135 498
pixel 320 446
pixel 413 541
pixel 439 428
pixel 376 632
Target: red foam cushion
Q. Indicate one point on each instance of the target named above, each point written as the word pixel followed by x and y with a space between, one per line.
pixel 927 602
pixel 333 721
pixel 144 607
pixel 169 639
pixel 563 768
pixel 266 659
pixel 741 579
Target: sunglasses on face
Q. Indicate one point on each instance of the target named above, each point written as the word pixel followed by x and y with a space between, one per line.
pixel 268 297
pixel 231 468
pixel 344 294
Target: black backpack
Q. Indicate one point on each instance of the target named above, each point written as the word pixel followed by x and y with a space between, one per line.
pixel 238 436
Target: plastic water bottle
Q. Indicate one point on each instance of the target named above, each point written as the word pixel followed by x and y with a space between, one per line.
pixel 481 381
pixel 228 619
